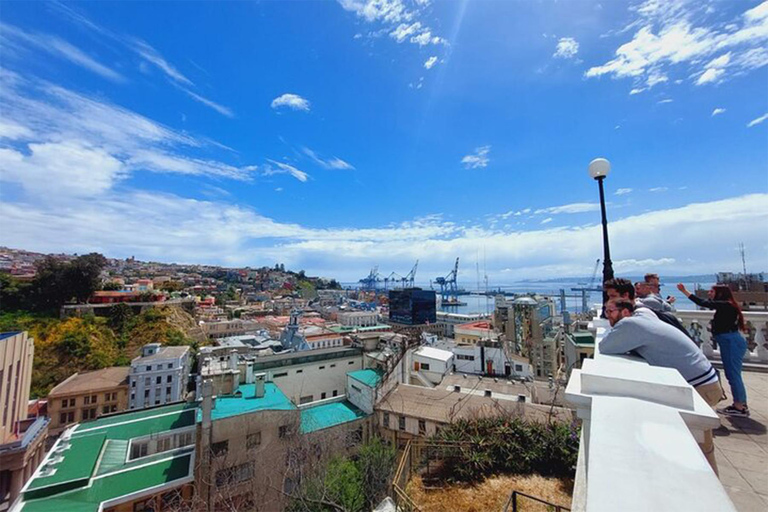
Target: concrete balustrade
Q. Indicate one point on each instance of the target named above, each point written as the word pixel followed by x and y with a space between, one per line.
pixel 640 429
pixel 698 324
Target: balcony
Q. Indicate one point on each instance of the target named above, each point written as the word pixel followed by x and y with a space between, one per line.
pixel 641 424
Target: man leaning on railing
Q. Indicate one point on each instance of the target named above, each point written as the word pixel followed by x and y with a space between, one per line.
pixel 638 330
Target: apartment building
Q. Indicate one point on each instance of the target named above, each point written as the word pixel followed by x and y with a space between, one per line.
pixel 159 376
pixel 224 328
pixel 358 318
pixel 86 396
pixel 22 439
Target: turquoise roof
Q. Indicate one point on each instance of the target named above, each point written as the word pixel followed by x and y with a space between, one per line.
pixel 328 415
pixel 244 402
pixel 370 378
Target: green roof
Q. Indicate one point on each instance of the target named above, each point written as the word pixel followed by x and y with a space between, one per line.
pixel 94 467
pixel 343 329
pixel 115 485
pixel 583 338
pixel 328 415
pixel 370 378
pixel 245 401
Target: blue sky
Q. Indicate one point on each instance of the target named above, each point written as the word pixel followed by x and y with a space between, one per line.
pixel 335 136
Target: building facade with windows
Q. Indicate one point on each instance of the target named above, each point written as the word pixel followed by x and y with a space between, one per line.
pixel 86 396
pixel 159 376
pixel 22 438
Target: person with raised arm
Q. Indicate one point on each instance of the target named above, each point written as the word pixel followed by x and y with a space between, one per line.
pixel 727 326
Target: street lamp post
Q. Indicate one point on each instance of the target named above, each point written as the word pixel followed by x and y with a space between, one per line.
pixel 598 170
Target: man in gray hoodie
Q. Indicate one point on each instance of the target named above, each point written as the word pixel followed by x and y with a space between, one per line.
pixel 638 330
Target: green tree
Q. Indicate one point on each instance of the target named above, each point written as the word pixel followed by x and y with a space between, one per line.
pixel 345 484
pixel 376 465
pixel 112 286
pixel 14 294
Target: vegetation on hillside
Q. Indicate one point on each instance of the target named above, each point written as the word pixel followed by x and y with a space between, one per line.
pixel 504 445
pixel 78 344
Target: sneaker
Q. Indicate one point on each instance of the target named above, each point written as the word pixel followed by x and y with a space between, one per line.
pixel 733 411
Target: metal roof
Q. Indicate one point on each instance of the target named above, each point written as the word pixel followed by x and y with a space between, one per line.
pixel 369 377
pixel 329 415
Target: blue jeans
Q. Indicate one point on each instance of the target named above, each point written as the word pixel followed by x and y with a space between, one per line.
pixel 733 346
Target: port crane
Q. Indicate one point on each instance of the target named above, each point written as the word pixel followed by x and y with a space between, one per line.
pixel 585 290
pixel 448 288
pixel 371 281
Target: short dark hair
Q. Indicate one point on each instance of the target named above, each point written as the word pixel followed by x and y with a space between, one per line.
pixel 648 277
pixel 621 286
pixel 624 304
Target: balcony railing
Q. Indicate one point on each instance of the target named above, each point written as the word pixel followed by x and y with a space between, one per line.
pixel 698 325
pixel 640 429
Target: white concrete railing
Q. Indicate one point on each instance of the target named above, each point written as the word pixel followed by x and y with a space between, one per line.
pixel 697 323
pixel 640 427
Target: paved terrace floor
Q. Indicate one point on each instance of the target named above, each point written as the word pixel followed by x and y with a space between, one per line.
pixel 741 447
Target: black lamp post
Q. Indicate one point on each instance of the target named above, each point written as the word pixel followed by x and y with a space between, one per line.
pixel 598 170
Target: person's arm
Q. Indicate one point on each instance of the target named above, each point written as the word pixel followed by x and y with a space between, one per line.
pixel 620 339
pixel 705 303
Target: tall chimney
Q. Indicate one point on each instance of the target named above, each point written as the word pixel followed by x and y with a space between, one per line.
pixel 233 360
pixel 249 372
pixel 207 404
pixel 260 383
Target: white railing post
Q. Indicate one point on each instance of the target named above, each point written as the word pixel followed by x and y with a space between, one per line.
pixel 761 351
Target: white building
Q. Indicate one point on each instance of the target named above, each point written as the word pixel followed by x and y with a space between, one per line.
pixel 449 321
pixel 225 328
pixel 159 376
pixel 429 365
pixel 358 318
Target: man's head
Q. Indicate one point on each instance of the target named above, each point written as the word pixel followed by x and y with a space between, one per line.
pixel 642 289
pixel 619 289
pixel 653 282
pixel 616 309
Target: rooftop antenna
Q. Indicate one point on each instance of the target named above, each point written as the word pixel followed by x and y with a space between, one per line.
pixel 744 265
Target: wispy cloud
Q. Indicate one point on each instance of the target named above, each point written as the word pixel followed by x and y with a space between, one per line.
pixel 547 220
pixel 401 22
pixel 292 101
pixel 569 208
pixel 152 56
pixel 477 160
pixel 662 102
pixel 757 121
pixel 282 168
pixel 13 37
pixel 668 40
pixel 334 163
pixel 567 48
pixel 658 189
pixel 221 109
pixel 623 191
pixel 718 111
pixel 430 62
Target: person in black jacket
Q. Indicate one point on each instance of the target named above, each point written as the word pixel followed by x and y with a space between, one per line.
pixel 726 329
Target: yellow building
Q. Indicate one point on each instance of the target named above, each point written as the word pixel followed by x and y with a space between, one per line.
pixel 86 396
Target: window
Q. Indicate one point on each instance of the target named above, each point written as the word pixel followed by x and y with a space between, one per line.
pixel 168 391
pixel 356 388
pixel 107 397
pixel 139 450
pixel 86 400
pixel 220 448
pixel 335 392
pixel 235 474
pixel 63 418
pixel 253 441
pixel 322 396
pixel 89 414
pixel 306 399
pixel 71 417
pixel 401 422
pixel 282 432
pixel 351 362
pixel 518 367
pixel 422 427
pixel 163 445
pixel 299 371
pixel 149 368
pixel 105 409
pixel 321 368
pixel 333 366
pixel 425 366
pixel 169 379
pixel 385 420
pixel 281 374
pixel 159 380
pixel 170 366
pixel 185 439
pixel 133 383
pixel 147 381
pixel 146 393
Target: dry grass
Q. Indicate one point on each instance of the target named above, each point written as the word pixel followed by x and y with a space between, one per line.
pixel 492 494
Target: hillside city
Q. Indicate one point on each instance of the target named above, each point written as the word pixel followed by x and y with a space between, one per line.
pixel 149 386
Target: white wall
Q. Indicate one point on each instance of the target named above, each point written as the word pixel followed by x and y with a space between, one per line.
pixel 314 379
pixel 360 395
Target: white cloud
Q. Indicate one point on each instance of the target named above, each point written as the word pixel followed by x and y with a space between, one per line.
pixel 547 220
pixel 567 48
pixel 61 169
pixel 331 163
pixel 718 111
pixel 292 101
pixel 221 109
pixel 399 21
pixel 570 208
pixel 636 90
pixel 171 228
pixel 149 54
pixel 390 11
pixel 12 131
pixel 477 160
pixel 658 189
pixel 404 31
pixel 757 121
pixel 623 191
pixel 13 37
pixel 281 168
pixel 665 101
pixel 667 40
pixel 430 62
